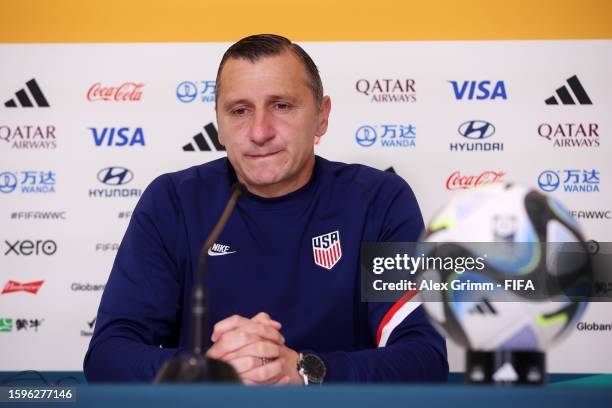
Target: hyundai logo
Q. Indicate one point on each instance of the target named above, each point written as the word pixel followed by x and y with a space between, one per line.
pixel 115 176
pixel 548 181
pixel 476 129
pixel 8 182
pixel 366 136
pixel 186 91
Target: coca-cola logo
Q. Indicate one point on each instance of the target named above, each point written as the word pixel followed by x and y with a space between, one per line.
pixel 127 91
pixel 457 182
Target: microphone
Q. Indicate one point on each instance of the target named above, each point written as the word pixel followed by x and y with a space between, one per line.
pixel 196 367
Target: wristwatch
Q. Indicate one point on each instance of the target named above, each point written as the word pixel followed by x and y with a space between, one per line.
pixel 311 368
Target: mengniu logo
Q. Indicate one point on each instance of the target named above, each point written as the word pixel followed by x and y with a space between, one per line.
pixel 29 136
pixel 125 92
pixel 188 91
pixel 387 90
pixel 479 90
pixel 475 131
pixel 570 134
pixel 571 180
pixel 457 181
pixel 30 287
pixel 114 178
pixel 565 96
pixel 28 182
pixel 11 324
pixel 34 97
pixel 117 137
pixel 387 135
pixel 200 144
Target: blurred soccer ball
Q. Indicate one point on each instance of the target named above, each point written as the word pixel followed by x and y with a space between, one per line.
pixel 513 214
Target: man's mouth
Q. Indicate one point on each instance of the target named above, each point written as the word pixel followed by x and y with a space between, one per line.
pixel 262 155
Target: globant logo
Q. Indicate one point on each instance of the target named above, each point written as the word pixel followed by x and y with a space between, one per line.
pixel 35 182
pixel 479 90
pixel 387 90
pixel 585 326
pixel 475 131
pixel 387 135
pixel 87 287
pixel 188 91
pixel 570 134
pixel 456 181
pixel 117 137
pixel 125 92
pixel 572 181
pixel 29 136
pixel 115 177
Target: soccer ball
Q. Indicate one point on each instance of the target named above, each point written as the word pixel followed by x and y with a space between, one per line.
pixel 537 227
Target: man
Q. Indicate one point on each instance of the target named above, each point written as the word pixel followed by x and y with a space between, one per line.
pixel 279 306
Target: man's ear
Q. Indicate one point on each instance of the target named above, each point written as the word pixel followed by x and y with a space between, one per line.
pixel 220 134
pixel 323 119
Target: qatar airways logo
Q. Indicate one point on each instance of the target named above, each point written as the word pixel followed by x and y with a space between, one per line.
pixel 384 90
pixel 457 181
pixel 125 92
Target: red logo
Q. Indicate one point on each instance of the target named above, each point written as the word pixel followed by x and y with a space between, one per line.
pixel 127 91
pixel 30 287
pixel 456 181
pixel 327 250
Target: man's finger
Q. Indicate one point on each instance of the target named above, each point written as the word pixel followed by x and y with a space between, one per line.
pixel 257 349
pixel 230 342
pixel 244 364
pixel 264 331
pixel 263 317
pixel 225 325
pixel 235 321
pixel 266 374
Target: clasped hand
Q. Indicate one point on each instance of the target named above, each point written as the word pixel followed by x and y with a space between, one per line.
pixel 256 349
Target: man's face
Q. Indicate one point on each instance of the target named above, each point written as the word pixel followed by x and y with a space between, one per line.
pixel 269 122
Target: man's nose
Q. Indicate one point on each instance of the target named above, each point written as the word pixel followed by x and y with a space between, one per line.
pixel 262 128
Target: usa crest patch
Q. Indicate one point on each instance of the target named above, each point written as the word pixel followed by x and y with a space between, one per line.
pixel 326 249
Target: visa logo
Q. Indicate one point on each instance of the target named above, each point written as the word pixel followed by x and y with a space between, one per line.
pixel 110 136
pixel 479 90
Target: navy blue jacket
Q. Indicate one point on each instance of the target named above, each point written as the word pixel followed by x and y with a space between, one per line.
pixel 267 263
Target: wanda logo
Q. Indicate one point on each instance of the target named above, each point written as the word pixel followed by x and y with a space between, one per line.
pixel 457 182
pixel 126 92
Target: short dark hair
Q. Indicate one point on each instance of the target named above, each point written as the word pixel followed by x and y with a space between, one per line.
pixel 257 46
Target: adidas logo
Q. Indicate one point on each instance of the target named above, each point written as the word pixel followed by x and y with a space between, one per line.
pixel 201 144
pixel 24 99
pixel 566 97
pixel 483 308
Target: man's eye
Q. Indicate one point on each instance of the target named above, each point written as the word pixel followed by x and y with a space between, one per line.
pixel 281 106
pixel 239 111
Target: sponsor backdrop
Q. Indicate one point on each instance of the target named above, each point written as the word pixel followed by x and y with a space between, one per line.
pixel 88 118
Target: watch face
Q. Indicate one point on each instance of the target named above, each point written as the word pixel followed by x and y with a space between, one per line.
pixel 313 368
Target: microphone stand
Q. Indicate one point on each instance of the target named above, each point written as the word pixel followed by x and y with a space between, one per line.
pixel 196 367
